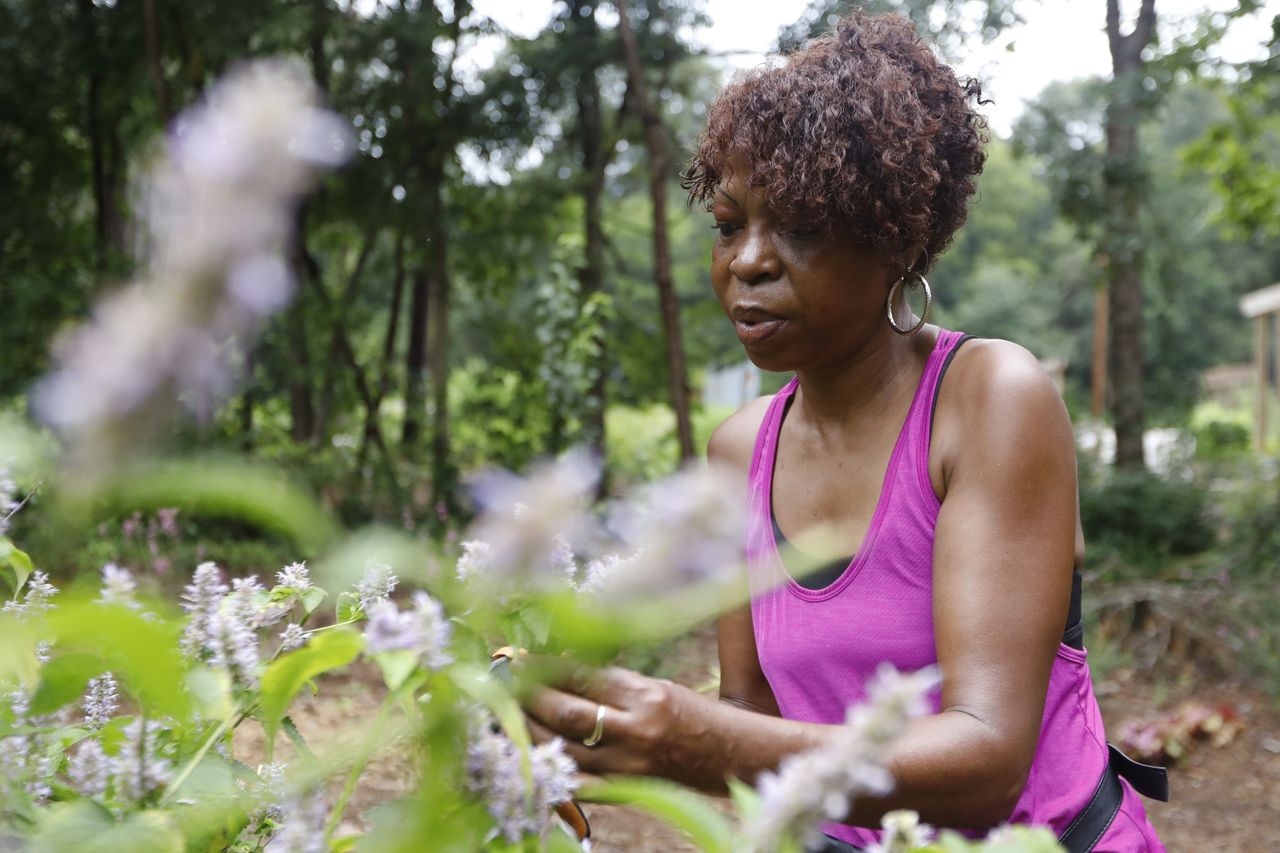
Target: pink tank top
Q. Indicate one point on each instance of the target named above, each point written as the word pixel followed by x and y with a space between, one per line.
pixel 819 647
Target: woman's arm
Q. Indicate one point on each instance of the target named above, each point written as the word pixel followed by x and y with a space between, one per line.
pixel 742 681
pixel 1004 550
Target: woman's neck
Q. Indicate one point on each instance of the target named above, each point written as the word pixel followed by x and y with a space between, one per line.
pixel 833 397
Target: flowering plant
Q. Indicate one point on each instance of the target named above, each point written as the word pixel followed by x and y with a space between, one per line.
pixel 124 722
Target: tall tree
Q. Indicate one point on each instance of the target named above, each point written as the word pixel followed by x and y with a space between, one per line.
pixel 585 39
pixel 1123 179
pixel 655 138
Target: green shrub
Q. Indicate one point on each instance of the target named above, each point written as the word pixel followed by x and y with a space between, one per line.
pixel 1220 432
pixel 1144 518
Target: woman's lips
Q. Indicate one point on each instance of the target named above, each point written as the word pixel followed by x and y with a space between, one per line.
pixel 758 331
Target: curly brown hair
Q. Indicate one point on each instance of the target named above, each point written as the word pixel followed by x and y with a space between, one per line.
pixel 864 133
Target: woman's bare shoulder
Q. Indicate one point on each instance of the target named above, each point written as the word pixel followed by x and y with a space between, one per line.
pixel 988 371
pixel 998 400
pixel 733 442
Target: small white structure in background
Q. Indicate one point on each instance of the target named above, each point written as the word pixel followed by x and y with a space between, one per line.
pixel 731 387
pixel 1167 452
pixel 1263 308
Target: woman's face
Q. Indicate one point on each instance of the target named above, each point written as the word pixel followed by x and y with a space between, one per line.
pixel 798 297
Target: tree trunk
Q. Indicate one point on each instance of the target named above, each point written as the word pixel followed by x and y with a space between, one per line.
pixel 1123 182
pixel 105 154
pixel 656 143
pixel 442 478
pixel 1098 369
pixel 302 406
pixel 388 353
pixel 415 359
pixel 151 27
pixel 315 41
pixel 338 324
pixel 247 403
pixel 591 133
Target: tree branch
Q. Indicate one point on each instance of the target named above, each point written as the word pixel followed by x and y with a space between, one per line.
pixel 1114 39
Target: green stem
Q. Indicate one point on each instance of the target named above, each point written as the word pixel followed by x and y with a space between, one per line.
pixel 357 768
pixel 331 627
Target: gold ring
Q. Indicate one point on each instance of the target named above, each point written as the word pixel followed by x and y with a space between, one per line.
pixel 598 731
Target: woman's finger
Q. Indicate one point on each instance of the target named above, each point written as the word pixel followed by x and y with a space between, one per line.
pixel 590 760
pixel 570 716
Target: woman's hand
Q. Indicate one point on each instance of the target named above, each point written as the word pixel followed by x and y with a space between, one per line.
pixel 651 727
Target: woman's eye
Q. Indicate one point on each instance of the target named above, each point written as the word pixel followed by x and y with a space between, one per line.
pixel 726 229
pixel 804 233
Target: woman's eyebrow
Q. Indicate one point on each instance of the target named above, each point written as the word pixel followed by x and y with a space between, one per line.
pixel 721 191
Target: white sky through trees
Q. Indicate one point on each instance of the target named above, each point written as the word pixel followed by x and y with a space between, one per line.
pixel 1061 40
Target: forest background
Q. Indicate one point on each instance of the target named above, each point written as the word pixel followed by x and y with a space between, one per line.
pixel 508 268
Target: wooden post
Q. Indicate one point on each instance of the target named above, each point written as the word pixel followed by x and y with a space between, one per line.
pixel 1260 362
pixel 1263 308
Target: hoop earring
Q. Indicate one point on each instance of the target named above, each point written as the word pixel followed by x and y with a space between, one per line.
pixel 918 280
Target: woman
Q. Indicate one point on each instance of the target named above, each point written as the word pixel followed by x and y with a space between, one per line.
pixel 835 180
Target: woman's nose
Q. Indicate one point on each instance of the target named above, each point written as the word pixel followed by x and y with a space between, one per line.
pixel 756 259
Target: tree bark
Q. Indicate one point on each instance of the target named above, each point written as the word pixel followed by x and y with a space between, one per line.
pixel 151 27
pixel 104 147
pixel 582 14
pixel 1122 180
pixel 415 359
pixel 247 402
pixel 338 319
pixel 442 477
pixel 656 144
pixel 1098 370
pixel 302 406
pixel 371 414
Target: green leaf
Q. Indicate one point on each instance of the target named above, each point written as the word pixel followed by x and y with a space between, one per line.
pixel 396 667
pixel 18 659
pixel 210 691
pixel 210 804
pixel 15 567
pixel 85 827
pixel 479 685
pixel 347 608
pixel 745 799
pixel 295 738
pixel 674 804
pixel 288 673
pixel 63 680
pixel 223 486
pixel 141 651
pixel 312 599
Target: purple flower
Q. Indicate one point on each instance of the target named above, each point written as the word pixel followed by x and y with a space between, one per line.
pixel 422 629
pixel 118 586
pixel 377 584
pixel 202 600
pixel 101 700
pixel 89 769
pixel 219 208
pixel 494 773
pixel 168 518
pixel 528 523
pixel 820 784
pixel 292 637
pixel 294 576
pixel 36 599
pixel 139 767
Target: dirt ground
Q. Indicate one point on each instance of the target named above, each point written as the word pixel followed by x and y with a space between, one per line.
pixel 1224 799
